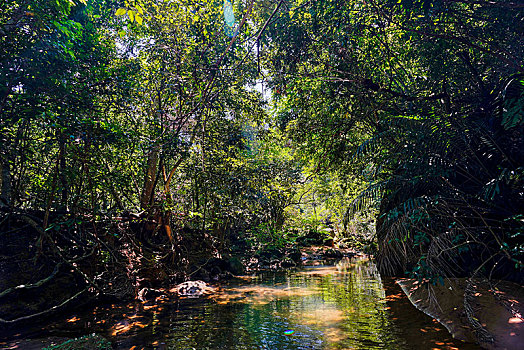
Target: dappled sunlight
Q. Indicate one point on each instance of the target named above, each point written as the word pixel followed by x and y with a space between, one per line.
pixel 125 326
pixel 326 319
pixel 259 295
pixel 320 271
pixel 323 316
pixel 73 319
pixel 330 307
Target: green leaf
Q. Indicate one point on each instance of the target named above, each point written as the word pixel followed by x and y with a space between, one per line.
pixel 120 12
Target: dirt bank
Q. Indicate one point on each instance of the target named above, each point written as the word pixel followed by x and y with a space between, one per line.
pixel 485 312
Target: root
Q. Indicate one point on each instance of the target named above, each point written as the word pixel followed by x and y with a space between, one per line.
pixel 33 285
pixel 483 336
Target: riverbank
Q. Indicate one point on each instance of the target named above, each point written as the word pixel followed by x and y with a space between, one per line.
pixel 488 313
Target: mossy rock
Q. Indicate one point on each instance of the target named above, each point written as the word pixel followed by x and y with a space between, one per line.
pixel 87 342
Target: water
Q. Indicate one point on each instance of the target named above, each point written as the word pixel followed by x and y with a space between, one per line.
pixel 346 306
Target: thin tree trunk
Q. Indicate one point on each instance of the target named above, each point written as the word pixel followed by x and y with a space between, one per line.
pixel 148 190
pixel 61 173
pixel 5 182
pixel 51 193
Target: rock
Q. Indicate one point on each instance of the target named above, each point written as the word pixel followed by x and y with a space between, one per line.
pixel 215 271
pixel 191 288
pixel 329 242
pixel 235 266
pixel 287 262
pixel 274 264
pixel 220 263
pixel 148 294
pixel 294 254
pixel 333 253
pixel 253 263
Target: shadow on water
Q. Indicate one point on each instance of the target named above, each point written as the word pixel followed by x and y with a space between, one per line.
pixel 346 306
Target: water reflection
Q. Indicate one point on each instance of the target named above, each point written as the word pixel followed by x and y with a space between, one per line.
pixel 327 307
pixel 323 307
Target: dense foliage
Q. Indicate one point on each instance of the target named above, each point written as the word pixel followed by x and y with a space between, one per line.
pixel 424 99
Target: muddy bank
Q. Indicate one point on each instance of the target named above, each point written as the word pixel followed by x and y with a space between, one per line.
pixel 489 313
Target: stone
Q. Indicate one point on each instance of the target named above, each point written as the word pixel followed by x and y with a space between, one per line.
pixel 149 293
pixel 333 253
pixel 287 262
pixel 191 288
pixel 294 254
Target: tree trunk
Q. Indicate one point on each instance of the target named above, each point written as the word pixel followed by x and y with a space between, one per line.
pixel 62 173
pixel 5 182
pixel 148 190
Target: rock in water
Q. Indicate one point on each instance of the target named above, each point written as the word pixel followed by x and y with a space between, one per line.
pixel 191 288
pixel 333 253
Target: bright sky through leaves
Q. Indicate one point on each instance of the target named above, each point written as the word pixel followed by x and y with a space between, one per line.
pixel 229 18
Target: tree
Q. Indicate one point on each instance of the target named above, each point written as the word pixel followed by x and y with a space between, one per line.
pixel 413 93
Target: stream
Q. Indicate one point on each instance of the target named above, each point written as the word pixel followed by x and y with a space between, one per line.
pixel 342 306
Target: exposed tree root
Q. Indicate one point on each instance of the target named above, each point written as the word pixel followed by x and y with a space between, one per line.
pixel 32 285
